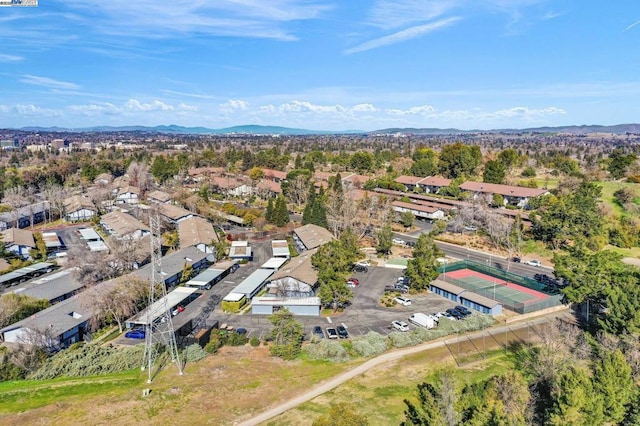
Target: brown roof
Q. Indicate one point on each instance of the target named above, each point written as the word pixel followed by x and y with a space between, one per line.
pixel 408 180
pixel 271 186
pixel 416 207
pixel 196 230
pixel 225 182
pixel 161 196
pixel 313 236
pixel 78 202
pixel 506 190
pixel 299 268
pixel 21 237
pixel 127 189
pixel 435 181
pixel 274 174
pixel 122 223
pixel 356 179
pixel 173 212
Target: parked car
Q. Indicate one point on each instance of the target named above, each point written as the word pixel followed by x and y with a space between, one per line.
pixel 135 334
pixel 342 332
pixel 463 310
pixel 360 268
pixel 471 228
pixel 390 287
pixel 355 281
pixel 398 241
pixel 448 316
pixel 317 331
pixel 241 330
pixel 404 280
pixel 533 262
pixel 402 301
pixel 400 325
pixel 332 333
pixel 516 259
pixel 411 243
pixel 455 313
pixel 177 310
pixel 403 288
pixel 364 263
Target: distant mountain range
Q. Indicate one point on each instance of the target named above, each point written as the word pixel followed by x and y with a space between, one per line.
pixel 251 129
pixel 255 129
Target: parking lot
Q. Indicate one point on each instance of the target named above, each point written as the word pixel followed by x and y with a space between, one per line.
pixel 365 314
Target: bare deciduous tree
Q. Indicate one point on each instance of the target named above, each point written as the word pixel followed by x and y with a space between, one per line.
pixel 139 176
pixel 120 301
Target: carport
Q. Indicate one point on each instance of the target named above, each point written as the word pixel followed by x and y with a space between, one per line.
pixel 153 312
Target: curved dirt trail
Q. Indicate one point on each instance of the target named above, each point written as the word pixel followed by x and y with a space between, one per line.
pixel 348 375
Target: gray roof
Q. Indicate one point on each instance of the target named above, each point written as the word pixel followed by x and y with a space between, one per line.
pixel 172 263
pixel 313 236
pixel 253 281
pixel 50 287
pixel 58 318
pixel 480 300
pixel 451 288
pixel 205 277
pixel 153 312
pixel 25 271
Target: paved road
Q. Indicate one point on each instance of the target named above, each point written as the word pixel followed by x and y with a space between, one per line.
pixel 384 358
pixel 464 253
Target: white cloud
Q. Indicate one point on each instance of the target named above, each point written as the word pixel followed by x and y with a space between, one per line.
pixel 631 26
pixel 185 107
pixel 10 58
pixel 48 82
pixel 156 105
pixel 416 110
pixel 29 110
pixel 234 104
pixel 96 109
pixel 364 108
pixel 236 18
pixel 403 35
pixel 389 14
pixel 303 106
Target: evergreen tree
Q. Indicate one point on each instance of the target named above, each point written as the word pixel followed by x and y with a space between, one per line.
pixel 494 172
pixel 385 239
pixel 427 412
pixel 307 214
pixel 268 215
pixel 576 403
pixel 613 381
pixel 423 268
pixel 280 212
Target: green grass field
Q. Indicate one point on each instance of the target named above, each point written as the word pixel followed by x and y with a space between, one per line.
pixel 380 393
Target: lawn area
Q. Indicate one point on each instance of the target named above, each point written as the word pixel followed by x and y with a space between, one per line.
pixel 380 392
pixel 608 188
pixel 236 382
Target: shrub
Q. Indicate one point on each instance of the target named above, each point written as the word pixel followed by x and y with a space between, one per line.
pixel 254 341
pixel 89 360
pixel 193 353
pixel 370 344
pixel 327 350
pixel 212 347
pixel 235 339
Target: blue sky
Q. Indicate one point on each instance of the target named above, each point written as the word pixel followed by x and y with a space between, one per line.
pixel 321 64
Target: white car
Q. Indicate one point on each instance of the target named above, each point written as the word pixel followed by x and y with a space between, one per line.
pixel 400 325
pixel 403 301
pixel 533 262
pixel 398 241
pixel 364 263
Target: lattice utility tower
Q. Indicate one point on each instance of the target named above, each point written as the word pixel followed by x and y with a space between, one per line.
pixel 159 325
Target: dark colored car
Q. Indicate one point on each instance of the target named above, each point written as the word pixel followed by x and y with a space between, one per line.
pixel 241 330
pixel 342 332
pixel 390 288
pixel 454 313
pixel 516 259
pixel 332 333
pixel 360 268
pixel 135 334
pixel 464 311
pixel 317 331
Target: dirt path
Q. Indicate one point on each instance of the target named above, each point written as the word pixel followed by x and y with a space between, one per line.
pixel 385 357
